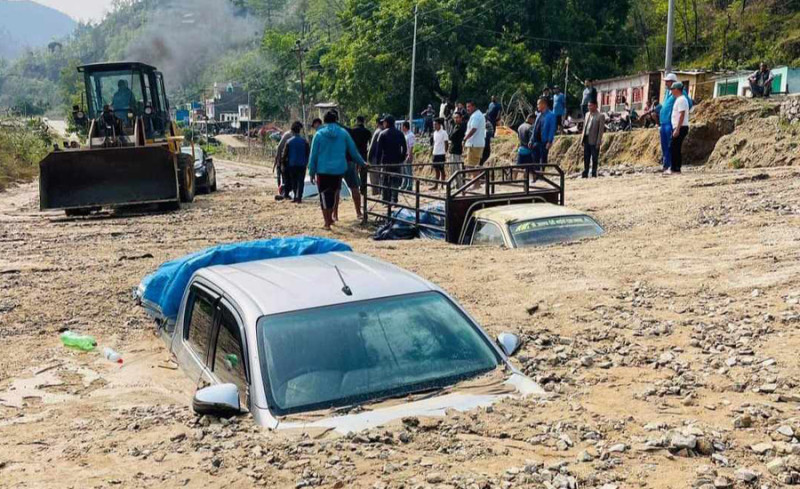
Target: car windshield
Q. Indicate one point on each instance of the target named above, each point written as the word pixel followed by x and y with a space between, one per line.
pixel 198 153
pixel 538 232
pixel 353 353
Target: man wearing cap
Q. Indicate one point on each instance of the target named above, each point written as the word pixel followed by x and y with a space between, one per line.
pixel 665 117
pixel 680 123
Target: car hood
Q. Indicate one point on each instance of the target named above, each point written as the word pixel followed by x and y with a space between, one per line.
pixel 458 398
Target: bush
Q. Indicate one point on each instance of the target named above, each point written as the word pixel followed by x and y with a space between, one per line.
pixel 22 145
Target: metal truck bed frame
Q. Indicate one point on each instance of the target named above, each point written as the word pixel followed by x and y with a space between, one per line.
pixel 465 191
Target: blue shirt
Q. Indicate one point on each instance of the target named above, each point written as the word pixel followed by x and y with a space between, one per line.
pixel 560 104
pixel 665 117
pixel 329 150
pixel 547 132
pixel 297 150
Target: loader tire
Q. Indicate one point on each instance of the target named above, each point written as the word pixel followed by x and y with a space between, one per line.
pixel 186 180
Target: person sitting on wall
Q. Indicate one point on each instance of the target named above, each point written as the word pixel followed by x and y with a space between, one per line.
pixel 761 82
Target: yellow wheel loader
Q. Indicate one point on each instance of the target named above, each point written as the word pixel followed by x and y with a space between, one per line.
pixel 133 151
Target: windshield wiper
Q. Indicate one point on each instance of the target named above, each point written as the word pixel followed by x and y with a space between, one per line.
pixel 425 390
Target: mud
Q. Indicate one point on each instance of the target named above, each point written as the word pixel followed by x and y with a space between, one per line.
pixel 669 347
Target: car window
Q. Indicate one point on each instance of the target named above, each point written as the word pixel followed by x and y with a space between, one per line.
pixel 201 320
pixel 538 232
pixel 230 363
pixel 488 233
pixel 470 230
pixel 344 354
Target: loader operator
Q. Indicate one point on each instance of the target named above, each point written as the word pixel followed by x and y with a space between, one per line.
pixel 123 100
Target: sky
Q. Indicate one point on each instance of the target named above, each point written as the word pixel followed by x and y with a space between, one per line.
pixel 80 9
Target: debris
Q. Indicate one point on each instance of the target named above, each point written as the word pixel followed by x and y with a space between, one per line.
pixel 77 341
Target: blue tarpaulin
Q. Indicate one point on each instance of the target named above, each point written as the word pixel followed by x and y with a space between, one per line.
pixel 162 291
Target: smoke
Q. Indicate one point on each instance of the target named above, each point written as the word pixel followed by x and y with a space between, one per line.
pixel 183 38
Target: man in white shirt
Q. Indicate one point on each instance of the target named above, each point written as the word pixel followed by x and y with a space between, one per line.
pixel 407 169
pixel 440 139
pixel 475 140
pixel 680 124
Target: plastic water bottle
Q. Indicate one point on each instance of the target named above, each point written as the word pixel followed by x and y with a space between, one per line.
pixel 77 341
pixel 111 355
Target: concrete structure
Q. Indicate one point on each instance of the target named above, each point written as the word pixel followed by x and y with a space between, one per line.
pixel 635 90
pixel 786 81
pixel 229 104
pixel 699 84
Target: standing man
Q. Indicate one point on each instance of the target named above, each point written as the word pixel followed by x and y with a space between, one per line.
pixel 354 178
pixel 407 169
pixel 680 123
pixel 372 155
pixel 439 152
pixel 456 147
pixel 548 96
pixel 487 148
pixel 475 139
pixel 281 175
pixel 296 160
pixel 328 163
pixel 761 82
pixel 544 133
pixel 589 95
pixel 665 119
pixel 559 108
pixel 524 154
pixel 594 126
pixel 391 153
pixel 493 114
pixel 428 115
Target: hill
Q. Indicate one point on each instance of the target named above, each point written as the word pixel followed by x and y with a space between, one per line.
pixel 25 24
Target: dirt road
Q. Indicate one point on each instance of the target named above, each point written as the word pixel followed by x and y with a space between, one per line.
pixel 669 347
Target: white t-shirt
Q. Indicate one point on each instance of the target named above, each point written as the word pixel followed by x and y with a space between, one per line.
pixel 681 105
pixel 478 122
pixel 439 138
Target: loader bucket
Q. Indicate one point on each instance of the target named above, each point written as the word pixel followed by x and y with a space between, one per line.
pixel 93 178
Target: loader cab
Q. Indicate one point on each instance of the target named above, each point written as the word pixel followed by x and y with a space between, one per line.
pixel 121 94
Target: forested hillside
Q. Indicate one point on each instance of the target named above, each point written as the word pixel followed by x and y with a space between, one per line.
pixel 25 24
pixel 358 52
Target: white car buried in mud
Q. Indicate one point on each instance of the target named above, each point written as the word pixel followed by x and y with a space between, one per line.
pixel 336 341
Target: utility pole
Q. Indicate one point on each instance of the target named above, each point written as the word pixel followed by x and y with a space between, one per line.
pixel 413 69
pixel 249 116
pixel 566 83
pixel 300 50
pixel 670 36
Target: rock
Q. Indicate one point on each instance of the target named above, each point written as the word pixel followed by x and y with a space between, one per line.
pixel 776 466
pixel 768 388
pixel 679 442
pixel 585 456
pixel 743 421
pixel 762 448
pixel 434 478
pixel 786 431
pixel 617 448
pixel 722 482
pixel 747 475
pixel 704 446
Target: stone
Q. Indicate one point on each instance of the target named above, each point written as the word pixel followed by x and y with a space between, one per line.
pixel 434 478
pixel 768 388
pixel 722 482
pixel 786 431
pixel 617 448
pixel 776 466
pixel 585 456
pixel 704 446
pixel 762 448
pixel 679 442
pixel 747 475
pixel 743 421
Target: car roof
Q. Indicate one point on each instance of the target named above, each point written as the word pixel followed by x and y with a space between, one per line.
pixel 524 212
pixel 289 284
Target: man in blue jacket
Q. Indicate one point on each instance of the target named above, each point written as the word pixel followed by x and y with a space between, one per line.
pixel 328 163
pixel 295 160
pixel 665 118
pixel 559 108
pixel 544 133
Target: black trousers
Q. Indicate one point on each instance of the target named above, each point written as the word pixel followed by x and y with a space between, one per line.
pixel 391 182
pixel 676 149
pixel 297 181
pixel 591 155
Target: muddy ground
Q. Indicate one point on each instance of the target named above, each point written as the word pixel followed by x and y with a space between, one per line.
pixel 669 347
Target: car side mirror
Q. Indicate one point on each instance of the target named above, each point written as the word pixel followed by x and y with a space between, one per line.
pixel 509 343
pixel 221 400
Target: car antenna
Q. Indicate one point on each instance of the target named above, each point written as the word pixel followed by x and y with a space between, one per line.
pixel 346 289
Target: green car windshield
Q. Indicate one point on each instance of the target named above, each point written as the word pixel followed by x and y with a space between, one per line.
pixel 353 353
pixel 550 230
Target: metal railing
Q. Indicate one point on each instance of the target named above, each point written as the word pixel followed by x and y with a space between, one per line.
pixel 465 189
